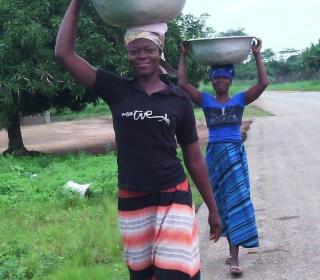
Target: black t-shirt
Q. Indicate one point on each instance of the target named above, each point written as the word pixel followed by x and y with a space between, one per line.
pixel 146 128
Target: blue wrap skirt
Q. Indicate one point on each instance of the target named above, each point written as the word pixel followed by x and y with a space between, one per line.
pixel 228 172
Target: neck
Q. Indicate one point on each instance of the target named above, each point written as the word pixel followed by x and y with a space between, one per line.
pixel 151 84
pixel 223 97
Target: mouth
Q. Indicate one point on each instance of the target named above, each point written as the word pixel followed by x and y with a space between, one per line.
pixel 143 64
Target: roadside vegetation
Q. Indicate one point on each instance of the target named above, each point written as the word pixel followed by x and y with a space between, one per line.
pixel 48 232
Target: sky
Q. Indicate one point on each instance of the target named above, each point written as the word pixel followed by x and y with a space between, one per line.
pixel 281 24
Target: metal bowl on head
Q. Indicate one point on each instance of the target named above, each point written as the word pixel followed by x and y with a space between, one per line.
pixel 128 13
pixel 221 50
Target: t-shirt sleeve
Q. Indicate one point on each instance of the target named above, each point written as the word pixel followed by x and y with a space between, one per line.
pixel 186 130
pixel 109 86
pixel 205 98
pixel 240 98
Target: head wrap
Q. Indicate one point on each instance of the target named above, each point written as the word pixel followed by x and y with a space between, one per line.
pixel 226 70
pixel 155 33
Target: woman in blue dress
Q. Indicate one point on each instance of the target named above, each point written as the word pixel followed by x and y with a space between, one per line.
pixel 225 156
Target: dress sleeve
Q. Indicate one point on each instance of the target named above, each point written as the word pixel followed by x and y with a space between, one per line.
pixel 109 86
pixel 205 97
pixel 186 130
pixel 240 99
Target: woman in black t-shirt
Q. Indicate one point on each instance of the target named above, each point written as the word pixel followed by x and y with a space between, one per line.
pixel 156 215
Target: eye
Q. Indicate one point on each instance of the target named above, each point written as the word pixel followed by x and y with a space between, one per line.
pixel 132 52
pixel 150 50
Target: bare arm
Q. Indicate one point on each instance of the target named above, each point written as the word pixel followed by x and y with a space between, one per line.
pixel 198 171
pixel 80 69
pixel 194 94
pixel 254 92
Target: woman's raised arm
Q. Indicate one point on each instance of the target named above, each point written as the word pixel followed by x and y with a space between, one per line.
pixel 80 69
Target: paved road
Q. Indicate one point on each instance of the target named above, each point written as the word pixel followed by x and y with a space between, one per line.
pixel 284 162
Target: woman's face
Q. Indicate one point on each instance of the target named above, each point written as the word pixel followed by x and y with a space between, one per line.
pixel 221 84
pixel 144 56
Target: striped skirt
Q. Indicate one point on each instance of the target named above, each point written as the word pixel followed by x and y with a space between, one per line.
pixel 160 234
pixel 228 172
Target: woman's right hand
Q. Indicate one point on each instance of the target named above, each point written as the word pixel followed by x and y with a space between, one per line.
pixel 184 47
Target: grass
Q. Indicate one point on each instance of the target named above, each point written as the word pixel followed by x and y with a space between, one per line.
pixel 296 86
pixel 237 86
pixel 102 110
pixel 47 232
pixel 91 111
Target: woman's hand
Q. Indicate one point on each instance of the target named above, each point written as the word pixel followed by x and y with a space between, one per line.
pixel 256 46
pixel 215 226
pixel 184 48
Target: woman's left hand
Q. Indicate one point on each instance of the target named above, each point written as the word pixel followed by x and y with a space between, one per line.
pixel 256 46
pixel 215 226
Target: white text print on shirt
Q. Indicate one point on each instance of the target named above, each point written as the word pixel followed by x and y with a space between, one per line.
pixel 141 115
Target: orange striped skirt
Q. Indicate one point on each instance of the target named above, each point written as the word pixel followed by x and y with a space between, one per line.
pixel 160 234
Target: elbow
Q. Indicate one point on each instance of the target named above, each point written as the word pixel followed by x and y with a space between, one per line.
pixel 59 55
pixel 264 83
pixel 183 85
pixel 62 56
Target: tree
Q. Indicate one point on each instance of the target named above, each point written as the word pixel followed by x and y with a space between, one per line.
pixel 311 61
pixel 31 81
pixel 233 32
pixel 184 28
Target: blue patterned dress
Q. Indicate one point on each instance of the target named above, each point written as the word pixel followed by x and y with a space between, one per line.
pixel 228 169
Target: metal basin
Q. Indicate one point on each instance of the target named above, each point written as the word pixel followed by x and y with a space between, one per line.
pixel 137 12
pixel 221 50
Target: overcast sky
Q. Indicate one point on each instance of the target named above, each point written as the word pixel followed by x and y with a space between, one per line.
pixel 280 24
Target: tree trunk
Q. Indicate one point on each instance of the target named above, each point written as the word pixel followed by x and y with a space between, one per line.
pixel 16 145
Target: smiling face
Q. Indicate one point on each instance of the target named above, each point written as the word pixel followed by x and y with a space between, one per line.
pixel 221 85
pixel 144 56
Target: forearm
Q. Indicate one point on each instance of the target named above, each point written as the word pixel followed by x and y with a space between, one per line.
pixel 66 38
pixel 262 72
pixel 183 82
pixel 182 70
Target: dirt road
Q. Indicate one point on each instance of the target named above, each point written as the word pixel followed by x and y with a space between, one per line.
pixel 284 162
pixel 91 135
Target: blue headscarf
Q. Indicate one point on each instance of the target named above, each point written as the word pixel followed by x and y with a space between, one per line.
pixel 226 70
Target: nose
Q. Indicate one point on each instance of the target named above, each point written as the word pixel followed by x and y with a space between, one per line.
pixel 142 54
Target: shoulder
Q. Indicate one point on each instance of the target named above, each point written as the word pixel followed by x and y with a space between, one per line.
pixel 239 98
pixel 207 100
pixel 178 91
pixel 105 75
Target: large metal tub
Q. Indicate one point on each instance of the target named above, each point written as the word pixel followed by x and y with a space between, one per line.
pixel 137 12
pixel 221 50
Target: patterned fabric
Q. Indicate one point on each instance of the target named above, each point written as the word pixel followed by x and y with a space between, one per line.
pixel 223 119
pixel 160 234
pixel 156 38
pixel 226 70
pixel 228 172
pixel 154 32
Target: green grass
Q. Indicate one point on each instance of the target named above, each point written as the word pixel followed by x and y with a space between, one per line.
pixel 102 110
pixel 91 111
pixel 47 232
pixel 237 86
pixel 296 86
